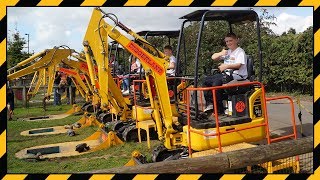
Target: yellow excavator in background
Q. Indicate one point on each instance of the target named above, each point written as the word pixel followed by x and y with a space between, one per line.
pixel 43 65
pixel 154 66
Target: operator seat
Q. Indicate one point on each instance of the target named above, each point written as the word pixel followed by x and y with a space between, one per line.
pixel 250 78
pixel 250 70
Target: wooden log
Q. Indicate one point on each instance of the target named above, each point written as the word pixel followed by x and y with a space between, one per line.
pixel 223 162
pixel 266 153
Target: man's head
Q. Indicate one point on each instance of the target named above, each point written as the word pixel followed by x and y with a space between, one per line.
pixel 134 59
pixel 231 41
pixel 168 50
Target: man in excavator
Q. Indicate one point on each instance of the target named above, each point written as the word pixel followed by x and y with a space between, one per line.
pixel 113 64
pixel 233 67
pixel 135 68
pixel 171 70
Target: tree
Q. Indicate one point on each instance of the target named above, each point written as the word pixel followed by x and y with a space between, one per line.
pixel 291 31
pixel 14 50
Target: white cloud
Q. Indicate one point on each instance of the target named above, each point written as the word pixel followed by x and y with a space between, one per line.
pixel 286 21
pixel 54 26
pixel 49 27
pixel 68 33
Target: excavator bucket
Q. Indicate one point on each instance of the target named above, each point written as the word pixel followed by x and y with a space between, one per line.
pixel 108 139
pixel 97 141
pixel 85 121
pixel 136 159
pixel 75 108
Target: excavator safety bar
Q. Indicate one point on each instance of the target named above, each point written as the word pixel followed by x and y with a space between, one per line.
pixel 293 119
pixel 218 133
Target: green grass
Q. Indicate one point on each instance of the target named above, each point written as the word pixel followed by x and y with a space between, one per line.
pixel 22 113
pixel 115 156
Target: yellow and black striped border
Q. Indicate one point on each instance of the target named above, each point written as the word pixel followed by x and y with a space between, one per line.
pixel 159 3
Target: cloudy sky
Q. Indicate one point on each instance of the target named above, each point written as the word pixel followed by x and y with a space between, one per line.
pixel 54 26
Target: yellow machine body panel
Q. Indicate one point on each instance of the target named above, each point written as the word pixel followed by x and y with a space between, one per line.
pixel 201 143
pixel 140 113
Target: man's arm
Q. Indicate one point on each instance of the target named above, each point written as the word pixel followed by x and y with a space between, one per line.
pixel 172 65
pixel 217 56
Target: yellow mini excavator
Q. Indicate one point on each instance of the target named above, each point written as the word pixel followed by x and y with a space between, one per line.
pixel 189 131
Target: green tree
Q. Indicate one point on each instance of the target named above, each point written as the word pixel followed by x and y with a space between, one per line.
pixel 14 50
pixel 292 31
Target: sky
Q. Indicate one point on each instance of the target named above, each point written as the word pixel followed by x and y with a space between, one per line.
pixel 54 26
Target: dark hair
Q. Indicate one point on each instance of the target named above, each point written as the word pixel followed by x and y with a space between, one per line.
pixel 168 47
pixel 232 35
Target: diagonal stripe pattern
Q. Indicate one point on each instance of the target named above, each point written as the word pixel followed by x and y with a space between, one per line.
pixel 3 140
pixel 245 3
pixel 3 24
pixel 93 2
pixel 49 2
pixel 267 2
pixel 316 75
pixel 136 3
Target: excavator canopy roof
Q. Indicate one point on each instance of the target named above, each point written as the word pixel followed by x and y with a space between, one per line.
pixel 170 34
pixel 232 16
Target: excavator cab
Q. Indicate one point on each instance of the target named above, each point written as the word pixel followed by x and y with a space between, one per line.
pixel 231 17
pixel 167 36
pixel 245 120
pixel 119 55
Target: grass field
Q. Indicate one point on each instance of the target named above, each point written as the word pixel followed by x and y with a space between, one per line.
pixel 108 158
pixel 113 157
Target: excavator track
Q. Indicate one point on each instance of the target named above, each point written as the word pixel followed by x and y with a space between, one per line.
pixel 87 107
pixel 130 133
pixel 127 131
pixel 105 117
pixel 161 153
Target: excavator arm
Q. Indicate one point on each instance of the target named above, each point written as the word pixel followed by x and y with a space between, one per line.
pixel 38 79
pixel 83 89
pixel 82 66
pixel 154 66
pixel 96 49
pixel 41 62
pixel 48 58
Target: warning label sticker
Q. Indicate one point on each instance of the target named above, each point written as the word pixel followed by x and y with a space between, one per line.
pixel 84 66
pixel 240 106
pixel 136 51
pixel 67 71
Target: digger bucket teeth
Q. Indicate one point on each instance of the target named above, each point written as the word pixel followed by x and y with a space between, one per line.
pixel 136 159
